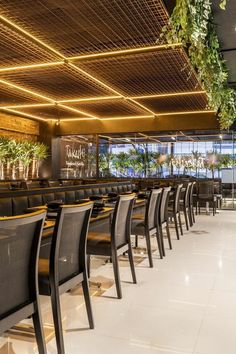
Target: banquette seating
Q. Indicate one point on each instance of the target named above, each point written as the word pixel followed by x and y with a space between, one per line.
pixel 16 202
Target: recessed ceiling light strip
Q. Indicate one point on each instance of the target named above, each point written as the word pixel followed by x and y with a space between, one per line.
pixel 76 110
pixel 31 66
pixel 125 51
pixel 28 34
pixel 25 90
pixel 23 114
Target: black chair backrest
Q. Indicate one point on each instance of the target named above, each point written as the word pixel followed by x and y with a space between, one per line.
pixel 206 188
pixel 19 252
pixel 164 204
pixel 68 249
pixel 187 194
pixel 150 213
pixel 192 188
pixel 121 221
pixel 158 207
pixel 177 195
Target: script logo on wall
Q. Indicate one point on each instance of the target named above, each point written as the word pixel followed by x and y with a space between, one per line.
pixel 76 159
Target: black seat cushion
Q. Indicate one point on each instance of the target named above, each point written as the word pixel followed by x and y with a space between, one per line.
pixel 6 207
pixel 19 205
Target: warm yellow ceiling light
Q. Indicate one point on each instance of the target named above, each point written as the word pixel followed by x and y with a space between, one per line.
pixel 85 73
pixel 36 105
pixel 90 99
pixel 125 51
pixel 173 94
pixel 23 114
pixel 22 30
pixel 32 66
pixel 76 110
pixel 104 119
pixel 25 90
pixel 76 119
pixel 142 106
pixel 184 113
pixel 127 117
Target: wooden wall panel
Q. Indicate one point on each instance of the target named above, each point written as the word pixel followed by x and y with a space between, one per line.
pixel 18 128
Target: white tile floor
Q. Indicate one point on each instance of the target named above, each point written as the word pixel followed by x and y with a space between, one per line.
pixel 185 304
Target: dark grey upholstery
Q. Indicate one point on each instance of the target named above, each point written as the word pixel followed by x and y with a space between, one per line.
pixel 19 205
pixel 6 207
pixel 118 241
pixel 35 200
pixel 19 249
pixel 66 266
pixel 147 225
pixel 20 200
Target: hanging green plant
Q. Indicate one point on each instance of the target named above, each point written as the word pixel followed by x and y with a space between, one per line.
pixel 191 23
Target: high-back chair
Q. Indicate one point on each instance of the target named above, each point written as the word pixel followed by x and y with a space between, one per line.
pixel 191 201
pixel 174 210
pixel 67 266
pixel 147 226
pixel 117 241
pixel 20 238
pixel 164 218
pixel 185 205
pixel 206 195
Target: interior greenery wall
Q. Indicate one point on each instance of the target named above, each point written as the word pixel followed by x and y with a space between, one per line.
pixel 192 24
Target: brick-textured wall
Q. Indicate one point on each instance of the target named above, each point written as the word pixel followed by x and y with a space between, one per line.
pixel 18 128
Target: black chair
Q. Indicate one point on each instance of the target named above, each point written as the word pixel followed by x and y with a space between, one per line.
pixel 174 210
pixel 66 267
pixel 206 195
pixel 218 193
pixel 191 203
pixel 147 226
pixel 185 205
pixel 164 217
pixel 20 238
pixel 117 241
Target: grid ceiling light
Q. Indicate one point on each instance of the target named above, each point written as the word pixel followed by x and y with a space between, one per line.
pixel 132 45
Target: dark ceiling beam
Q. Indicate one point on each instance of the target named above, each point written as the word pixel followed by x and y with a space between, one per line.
pixel 207 121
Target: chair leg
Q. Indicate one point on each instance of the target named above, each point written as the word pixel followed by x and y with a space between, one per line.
pixel 192 213
pixel 162 242
pixel 131 262
pixel 158 236
pixel 180 224
pixel 38 328
pixel 116 273
pixel 88 301
pixel 186 218
pixel 168 235
pixel 176 226
pixel 136 241
pixel 190 216
pixel 56 311
pixel 149 250
pixel 88 264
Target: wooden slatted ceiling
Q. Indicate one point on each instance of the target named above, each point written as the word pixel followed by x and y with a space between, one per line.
pixel 83 26
pixel 54 34
pixel 172 104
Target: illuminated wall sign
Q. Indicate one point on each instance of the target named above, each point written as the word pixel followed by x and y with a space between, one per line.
pixel 78 158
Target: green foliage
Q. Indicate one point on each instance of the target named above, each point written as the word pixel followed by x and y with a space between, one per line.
pixel 13 152
pixel 192 24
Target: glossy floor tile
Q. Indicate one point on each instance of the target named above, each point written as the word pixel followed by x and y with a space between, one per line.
pixel 186 304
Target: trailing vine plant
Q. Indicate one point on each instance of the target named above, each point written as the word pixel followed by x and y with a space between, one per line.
pixel 191 23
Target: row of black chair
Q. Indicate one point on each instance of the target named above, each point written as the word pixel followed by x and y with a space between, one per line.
pixel 69 264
